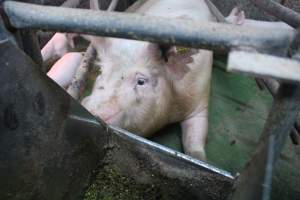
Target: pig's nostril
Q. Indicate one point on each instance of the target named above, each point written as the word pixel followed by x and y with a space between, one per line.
pixel 101 88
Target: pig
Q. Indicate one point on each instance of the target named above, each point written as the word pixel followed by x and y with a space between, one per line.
pixel 237 17
pixel 144 86
pixel 58 45
pixel 63 71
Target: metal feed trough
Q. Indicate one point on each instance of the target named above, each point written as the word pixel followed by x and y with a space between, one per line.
pixel 51 147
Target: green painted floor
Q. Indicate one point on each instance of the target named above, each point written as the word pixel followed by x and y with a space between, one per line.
pixel 238 110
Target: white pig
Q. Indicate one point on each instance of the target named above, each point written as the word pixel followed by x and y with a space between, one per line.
pixel 63 71
pixel 238 17
pixel 141 91
pixel 58 45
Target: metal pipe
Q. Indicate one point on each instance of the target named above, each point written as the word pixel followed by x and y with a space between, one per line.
pixel 80 78
pixel 113 5
pixel 216 12
pixel 279 124
pixel 31 46
pixel 70 3
pixel 283 114
pixel 281 12
pixel 182 32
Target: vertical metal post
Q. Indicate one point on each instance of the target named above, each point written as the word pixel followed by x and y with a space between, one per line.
pixel 25 38
pixel 31 47
pixel 254 182
pixel 256 179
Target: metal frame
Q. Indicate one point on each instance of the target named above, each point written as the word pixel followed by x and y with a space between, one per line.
pixel 213 36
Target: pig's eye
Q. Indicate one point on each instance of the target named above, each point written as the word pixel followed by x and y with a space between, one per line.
pixel 141 81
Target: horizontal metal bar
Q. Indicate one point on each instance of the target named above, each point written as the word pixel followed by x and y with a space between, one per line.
pixel 182 32
pixel 262 65
pixel 160 148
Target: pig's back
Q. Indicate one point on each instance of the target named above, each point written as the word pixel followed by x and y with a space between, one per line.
pixel 189 9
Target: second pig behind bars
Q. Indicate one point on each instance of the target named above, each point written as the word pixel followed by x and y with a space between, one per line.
pixel 144 86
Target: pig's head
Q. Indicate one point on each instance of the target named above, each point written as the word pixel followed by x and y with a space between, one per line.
pixel 134 90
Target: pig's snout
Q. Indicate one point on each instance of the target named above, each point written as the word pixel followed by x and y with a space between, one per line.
pixel 109 113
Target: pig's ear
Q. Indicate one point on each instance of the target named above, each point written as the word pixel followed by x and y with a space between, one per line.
pixel 176 59
pixel 160 52
pixel 236 16
pixel 99 42
pixel 96 41
pixel 94 5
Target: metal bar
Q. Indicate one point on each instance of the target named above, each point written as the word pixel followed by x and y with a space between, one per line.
pixel 43 2
pixel 279 123
pixel 135 5
pixel 263 65
pixel 31 46
pixel 281 12
pixel 5 35
pixel 282 116
pixel 206 35
pixel 71 3
pixel 216 12
pixel 267 183
pixel 113 5
pixel 26 39
pixel 80 78
pixel 272 86
pixel 254 182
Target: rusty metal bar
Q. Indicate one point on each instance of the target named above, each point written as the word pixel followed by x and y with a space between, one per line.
pixel 206 35
pixel 80 78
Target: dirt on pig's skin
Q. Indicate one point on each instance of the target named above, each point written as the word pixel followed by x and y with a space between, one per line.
pixel 92 75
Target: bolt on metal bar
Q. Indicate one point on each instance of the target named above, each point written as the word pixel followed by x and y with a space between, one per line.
pixel 207 35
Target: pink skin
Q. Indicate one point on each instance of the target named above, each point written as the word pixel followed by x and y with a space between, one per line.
pixel 191 141
pixel 139 90
pixel 238 17
pixel 58 45
pixel 63 71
